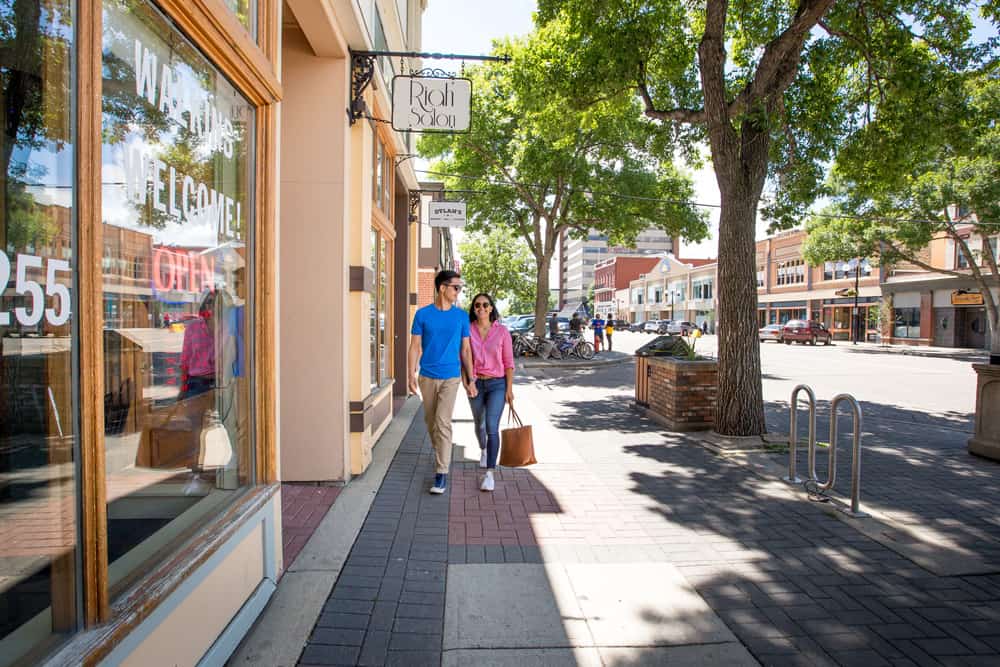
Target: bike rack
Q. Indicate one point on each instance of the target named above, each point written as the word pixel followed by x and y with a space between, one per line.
pixel 793 431
pixel 834 433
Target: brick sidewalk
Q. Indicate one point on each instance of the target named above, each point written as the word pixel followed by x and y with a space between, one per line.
pixel 795 585
pixel 303 506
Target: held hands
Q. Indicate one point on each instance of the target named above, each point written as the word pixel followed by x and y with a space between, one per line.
pixel 470 389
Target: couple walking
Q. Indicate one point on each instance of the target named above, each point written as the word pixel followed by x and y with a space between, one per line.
pixel 450 348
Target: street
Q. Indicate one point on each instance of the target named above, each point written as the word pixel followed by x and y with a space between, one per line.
pixel 630 545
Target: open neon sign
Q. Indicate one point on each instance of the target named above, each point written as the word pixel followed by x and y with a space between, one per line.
pixel 181 271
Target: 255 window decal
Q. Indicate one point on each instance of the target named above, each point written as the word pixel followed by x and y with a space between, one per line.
pixel 30 315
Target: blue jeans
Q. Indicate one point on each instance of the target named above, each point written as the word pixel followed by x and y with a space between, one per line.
pixel 487 408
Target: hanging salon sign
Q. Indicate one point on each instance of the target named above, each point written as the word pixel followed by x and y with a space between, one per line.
pixel 431 104
pixel 446 214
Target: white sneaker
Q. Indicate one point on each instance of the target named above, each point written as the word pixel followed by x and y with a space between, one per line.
pixel 487 484
pixel 482 458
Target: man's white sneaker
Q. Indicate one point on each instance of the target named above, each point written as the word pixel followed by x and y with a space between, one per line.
pixel 482 458
pixel 487 484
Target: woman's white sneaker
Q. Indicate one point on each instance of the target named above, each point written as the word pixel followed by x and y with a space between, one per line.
pixel 482 458
pixel 487 484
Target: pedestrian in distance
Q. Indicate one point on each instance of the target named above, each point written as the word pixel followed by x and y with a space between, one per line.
pixel 553 326
pixel 609 330
pixel 440 349
pixel 493 367
pixel 597 324
pixel 704 327
pixel 575 323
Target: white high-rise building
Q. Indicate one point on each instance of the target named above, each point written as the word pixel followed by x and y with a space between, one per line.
pixel 578 257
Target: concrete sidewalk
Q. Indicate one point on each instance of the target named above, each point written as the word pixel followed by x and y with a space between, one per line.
pixel 623 546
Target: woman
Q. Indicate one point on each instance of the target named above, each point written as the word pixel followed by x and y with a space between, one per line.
pixel 609 330
pixel 493 365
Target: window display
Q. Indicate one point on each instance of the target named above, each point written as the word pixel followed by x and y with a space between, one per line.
pixel 177 200
pixel 39 534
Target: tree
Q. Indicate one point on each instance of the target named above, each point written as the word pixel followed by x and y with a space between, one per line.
pixel 538 166
pixel 773 88
pixel 499 263
pixel 894 193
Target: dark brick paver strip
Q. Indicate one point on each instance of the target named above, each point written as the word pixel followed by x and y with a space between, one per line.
pixel 387 607
pixel 303 506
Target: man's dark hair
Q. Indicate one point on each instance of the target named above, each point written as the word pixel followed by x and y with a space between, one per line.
pixel 443 277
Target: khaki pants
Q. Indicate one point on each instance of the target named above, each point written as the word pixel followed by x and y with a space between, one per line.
pixel 439 404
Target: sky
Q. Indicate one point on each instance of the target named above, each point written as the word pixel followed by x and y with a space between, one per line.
pixel 469 26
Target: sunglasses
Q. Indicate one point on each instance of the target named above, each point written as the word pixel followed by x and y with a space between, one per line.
pixel 481 304
pixel 457 288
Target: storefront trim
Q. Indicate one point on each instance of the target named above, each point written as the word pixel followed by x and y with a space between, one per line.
pixel 362 279
pixel 223 39
pixel 363 412
pixel 187 567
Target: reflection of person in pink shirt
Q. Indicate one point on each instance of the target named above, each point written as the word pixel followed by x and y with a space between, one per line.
pixel 493 364
pixel 198 353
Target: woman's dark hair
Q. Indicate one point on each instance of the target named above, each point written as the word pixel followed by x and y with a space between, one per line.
pixel 494 315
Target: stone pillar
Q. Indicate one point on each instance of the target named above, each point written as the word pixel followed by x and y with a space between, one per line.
pixel 986 441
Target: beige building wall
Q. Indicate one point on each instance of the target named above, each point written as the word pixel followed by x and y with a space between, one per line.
pixel 316 250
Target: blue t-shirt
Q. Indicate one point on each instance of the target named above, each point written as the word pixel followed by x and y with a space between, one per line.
pixel 598 325
pixel 441 333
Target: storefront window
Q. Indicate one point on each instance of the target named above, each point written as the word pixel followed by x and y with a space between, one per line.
pixel 379 309
pixel 177 198
pixel 246 13
pixel 906 323
pixel 39 586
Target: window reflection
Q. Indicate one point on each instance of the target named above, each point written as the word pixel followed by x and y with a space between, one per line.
pixel 177 205
pixel 38 527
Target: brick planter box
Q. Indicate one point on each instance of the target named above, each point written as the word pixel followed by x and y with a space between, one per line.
pixel 680 394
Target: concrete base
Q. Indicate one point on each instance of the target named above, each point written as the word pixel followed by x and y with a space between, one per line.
pixel 581 614
pixel 986 441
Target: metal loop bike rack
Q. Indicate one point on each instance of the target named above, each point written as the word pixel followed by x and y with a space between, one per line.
pixel 793 431
pixel 834 433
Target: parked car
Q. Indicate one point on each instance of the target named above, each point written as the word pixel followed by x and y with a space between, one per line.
pixel 770 332
pixel 524 324
pixel 637 327
pixel 805 331
pixel 653 326
pixel 681 327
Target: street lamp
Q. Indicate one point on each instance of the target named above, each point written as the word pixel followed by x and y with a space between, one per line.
pixel 856 316
pixel 671 303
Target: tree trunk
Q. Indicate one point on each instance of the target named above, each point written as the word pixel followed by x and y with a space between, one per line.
pixel 542 295
pixel 740 407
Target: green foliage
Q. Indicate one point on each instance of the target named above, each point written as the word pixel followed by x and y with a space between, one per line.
pixel 540 166
pixel 893 184
pixel 500 264
pixel 861 61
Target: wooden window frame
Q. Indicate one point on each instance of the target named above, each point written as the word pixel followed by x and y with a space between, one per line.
pixel 250 66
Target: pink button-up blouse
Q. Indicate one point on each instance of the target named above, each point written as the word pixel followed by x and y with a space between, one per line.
pixel 494 354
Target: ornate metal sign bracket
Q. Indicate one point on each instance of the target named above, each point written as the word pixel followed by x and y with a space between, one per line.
pixel 363 69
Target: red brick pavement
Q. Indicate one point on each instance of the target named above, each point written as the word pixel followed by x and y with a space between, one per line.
pixel 569 505
pixel 302 508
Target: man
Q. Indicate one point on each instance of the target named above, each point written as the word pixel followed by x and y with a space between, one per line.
pixel 597 324
pixel 439 343
pixel 575 323
pixel 553 326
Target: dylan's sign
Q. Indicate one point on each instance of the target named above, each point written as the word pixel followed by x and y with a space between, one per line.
pixel 446 214
pixel 427 104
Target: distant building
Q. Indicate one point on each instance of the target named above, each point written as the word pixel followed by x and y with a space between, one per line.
pixel 578 257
